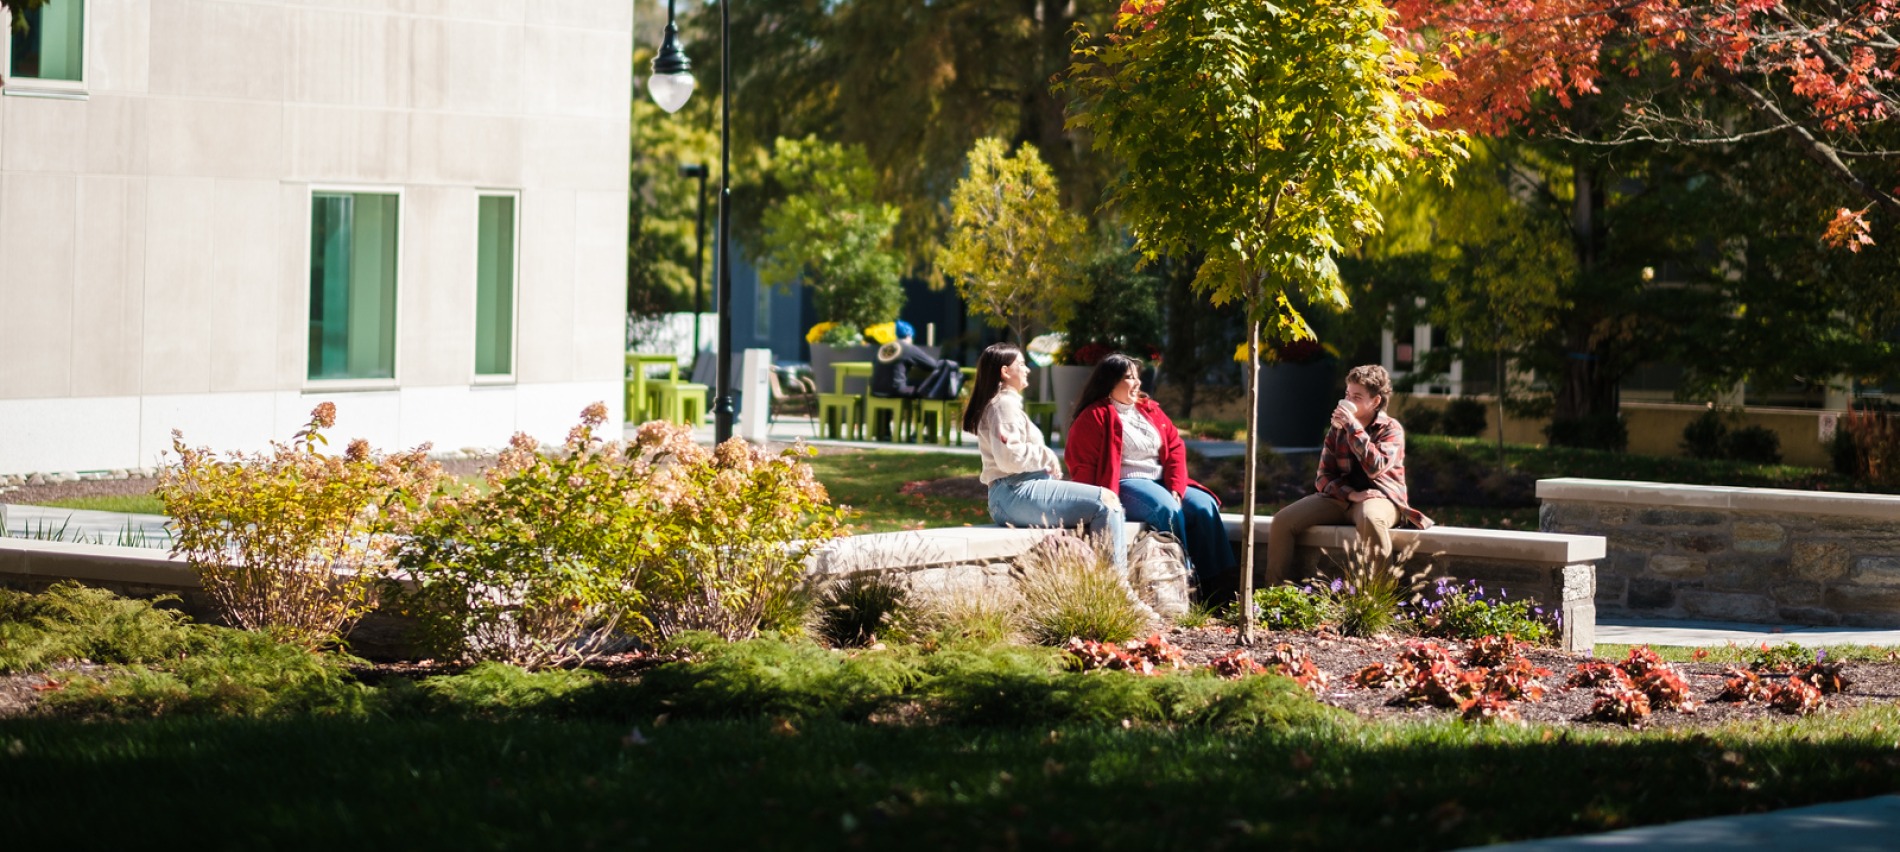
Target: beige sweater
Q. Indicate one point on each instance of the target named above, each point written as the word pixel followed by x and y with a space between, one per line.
pixel 1010 442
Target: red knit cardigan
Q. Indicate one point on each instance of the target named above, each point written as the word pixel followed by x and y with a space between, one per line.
pixel 1093 448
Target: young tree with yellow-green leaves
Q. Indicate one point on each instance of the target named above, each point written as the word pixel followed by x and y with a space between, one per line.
pixel 1259 134
pixel 1014 253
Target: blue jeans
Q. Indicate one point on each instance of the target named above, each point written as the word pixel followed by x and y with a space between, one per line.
pixel 1035 499
pixel 1194 519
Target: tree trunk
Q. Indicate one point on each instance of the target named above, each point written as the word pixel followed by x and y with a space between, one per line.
pixel 1588 386
pixel 1250 502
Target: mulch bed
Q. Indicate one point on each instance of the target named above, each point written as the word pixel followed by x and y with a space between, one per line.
pixel 1339 657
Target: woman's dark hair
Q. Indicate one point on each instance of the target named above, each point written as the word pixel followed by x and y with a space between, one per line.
pixel 989 377
pixel 1102 382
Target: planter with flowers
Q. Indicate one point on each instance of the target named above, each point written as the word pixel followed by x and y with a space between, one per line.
pixel 1299 385
pixel 832 342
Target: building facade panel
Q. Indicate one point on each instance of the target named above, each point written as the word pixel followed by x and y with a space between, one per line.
pixel 156 221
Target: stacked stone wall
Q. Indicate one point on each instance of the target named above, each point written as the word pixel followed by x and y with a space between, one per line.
pixel 1796 565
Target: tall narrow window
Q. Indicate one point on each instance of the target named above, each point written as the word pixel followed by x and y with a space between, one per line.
pixel 53 43
pixel 352 286
pixel 495 287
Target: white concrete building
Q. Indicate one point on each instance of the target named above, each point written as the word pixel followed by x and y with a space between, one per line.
pixel 215 214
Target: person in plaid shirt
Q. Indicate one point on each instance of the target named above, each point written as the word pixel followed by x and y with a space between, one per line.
pixel 1361 476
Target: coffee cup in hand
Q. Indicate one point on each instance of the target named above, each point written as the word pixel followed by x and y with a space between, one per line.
pixel 1347 408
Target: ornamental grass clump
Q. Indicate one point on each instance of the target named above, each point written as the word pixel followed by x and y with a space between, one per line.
pixel 1071 590
pixel 1371 591
pixel 293 541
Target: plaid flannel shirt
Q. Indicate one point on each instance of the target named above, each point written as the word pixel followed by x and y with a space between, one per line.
pixel 1380 450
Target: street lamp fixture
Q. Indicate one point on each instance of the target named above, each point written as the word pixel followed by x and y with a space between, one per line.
pixel 698 170
pixel 672 81
pixel 670 85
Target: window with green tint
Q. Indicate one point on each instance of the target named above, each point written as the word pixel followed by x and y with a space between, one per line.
pixel 52 45
pixel 495 288
pixel 352 286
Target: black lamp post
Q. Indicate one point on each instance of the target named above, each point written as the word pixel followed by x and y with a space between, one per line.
pixel 699 250
pixel 671 84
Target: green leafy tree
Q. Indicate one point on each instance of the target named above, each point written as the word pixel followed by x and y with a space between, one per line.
pixel 1014 251
pixel 663 207
pixel 1259 135
pixel 915 84
pixel 826 230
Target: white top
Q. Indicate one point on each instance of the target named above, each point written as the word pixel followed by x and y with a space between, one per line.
pixel 1141 444
pixel 1010 442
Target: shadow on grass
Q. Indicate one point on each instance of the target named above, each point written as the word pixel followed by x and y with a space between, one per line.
pixel 471 783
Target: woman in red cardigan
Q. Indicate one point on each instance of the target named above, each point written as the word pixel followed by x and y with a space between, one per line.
pixel 1122 441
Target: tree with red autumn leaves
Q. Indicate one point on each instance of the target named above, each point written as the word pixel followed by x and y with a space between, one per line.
pixel 1820 73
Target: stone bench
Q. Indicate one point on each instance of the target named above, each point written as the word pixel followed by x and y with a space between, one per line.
pixel 971 560
pixel 1557 570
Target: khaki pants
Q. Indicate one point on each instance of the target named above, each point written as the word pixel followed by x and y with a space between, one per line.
pixel 1374 518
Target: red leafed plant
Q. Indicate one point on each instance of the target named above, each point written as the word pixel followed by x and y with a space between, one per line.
pixel 1489 708
pixel 1826 677
pixel 1291 662
pixel 1795 696
pixel 1742 685
pixel 1594 673
pixel 1375 676
pixel 1621 703
pixel 1236 664
pixel 1667 691
pixel 1144 657
pixel 1491 651
pixel 1517 680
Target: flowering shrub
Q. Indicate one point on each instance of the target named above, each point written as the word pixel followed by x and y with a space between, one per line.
pixel 293 541
pixel 737 525
pixel 542 566
pixel 565 550
pixel 1464 611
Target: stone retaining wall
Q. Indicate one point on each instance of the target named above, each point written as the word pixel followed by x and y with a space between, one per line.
pixel 1736 554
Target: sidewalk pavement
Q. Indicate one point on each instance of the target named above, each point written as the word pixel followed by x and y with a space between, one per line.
pixel 1867 824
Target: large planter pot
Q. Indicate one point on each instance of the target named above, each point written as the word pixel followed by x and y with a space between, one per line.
pixel 1067 381
pixel 1296 402
pixel 823 355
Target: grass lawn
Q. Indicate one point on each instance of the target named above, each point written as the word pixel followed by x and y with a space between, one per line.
pixel 470 783
pixel 872 483
pixel 137 504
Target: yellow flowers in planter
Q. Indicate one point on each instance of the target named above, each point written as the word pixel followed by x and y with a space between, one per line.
pixel 884 332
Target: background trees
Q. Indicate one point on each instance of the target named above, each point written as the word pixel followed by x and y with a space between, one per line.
pixel 823 229
pixel 1014 252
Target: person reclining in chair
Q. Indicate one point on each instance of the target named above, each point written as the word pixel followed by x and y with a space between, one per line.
pixel 890 376
pixel 1361 476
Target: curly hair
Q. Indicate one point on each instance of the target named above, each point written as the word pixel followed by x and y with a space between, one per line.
pixel 1374 379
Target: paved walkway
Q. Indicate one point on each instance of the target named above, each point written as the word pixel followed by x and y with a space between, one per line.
pixel 1868 824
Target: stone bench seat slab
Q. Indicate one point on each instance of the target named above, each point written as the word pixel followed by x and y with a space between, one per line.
pixel 1767 501
pixel 1462 542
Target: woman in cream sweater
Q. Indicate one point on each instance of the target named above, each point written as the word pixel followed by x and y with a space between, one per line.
pixel 1024 475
